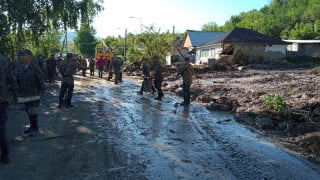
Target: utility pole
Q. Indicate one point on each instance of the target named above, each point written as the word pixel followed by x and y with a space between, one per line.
pixel 173 43
pixel 125 46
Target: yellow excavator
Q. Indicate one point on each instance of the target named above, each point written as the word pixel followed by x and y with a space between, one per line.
pixel 103 50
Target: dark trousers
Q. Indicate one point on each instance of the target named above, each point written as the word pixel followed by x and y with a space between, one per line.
pixel 84 71
pixel 66 88
pixel 3 131
pixel 145 85
pixel 186 93
pixel 117 77
pixel 157 85
pixel 91 71
pixel 110 75
pixel 101 72
pixel 51 75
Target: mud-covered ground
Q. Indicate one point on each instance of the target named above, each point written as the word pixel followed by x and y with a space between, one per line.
pixel 240 91
pixel 113 133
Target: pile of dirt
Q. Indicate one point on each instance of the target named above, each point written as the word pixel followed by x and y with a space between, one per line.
pixel 240 91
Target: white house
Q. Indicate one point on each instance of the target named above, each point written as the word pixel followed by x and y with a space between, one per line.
pixel 254 45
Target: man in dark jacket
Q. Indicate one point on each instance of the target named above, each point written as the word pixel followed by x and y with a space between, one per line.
pixel 146 76
pixel 158 77
pixel 7 79
pixel 31 87
pixel 67 69
pixel 51 66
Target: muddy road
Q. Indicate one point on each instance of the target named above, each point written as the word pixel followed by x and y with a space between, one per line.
pixel 112 133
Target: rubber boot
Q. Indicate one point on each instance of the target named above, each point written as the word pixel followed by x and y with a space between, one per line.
pixel 120 77
pixel 69 105
pixel 27 131
pixel 34 126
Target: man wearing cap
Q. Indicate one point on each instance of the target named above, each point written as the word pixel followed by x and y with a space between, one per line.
pixel 117 69
pixel 31 87
pixel 67 69
pixel 7 79
pixel 187 72
pixel 158 77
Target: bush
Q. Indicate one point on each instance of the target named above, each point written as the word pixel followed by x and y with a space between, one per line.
pixel 276 103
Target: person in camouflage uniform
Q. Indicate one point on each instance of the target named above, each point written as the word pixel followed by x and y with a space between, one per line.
pixel 146 76
pixel 51 66
pixel 7 79
pixel 187 72
pixel 31 81
pixel 67 69
pixel 117 70
pixel 158 77
pixel 92 64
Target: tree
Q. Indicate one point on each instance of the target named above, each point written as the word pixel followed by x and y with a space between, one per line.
pixel 281 18
pixel 85 41
pixel 211 26
pixel 29 20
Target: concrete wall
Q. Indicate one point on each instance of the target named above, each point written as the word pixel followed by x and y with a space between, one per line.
pixel 312 50
pixel 261 52
pixel 267 53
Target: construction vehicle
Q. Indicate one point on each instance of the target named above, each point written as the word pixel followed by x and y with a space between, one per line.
pixel 103 50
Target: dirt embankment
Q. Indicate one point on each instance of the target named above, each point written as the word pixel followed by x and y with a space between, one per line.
pixel 240 91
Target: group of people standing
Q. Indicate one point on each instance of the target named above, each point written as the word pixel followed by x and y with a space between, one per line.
pixel 155 73
pixel 113 66
pixel 26 82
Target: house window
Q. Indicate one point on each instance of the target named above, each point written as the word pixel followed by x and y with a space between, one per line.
pixel 204 53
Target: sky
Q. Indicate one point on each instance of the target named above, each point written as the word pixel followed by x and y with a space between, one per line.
pixel 164 14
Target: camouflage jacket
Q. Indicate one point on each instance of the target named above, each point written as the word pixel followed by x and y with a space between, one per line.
pixel 67 69
pixel 187 72
pixel 117 65
pixel 158 69
pixel 7 80
pixel 51 64
pixel 145 70
pixel 30 80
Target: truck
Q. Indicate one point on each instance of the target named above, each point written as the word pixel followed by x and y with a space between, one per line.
pixel 103 50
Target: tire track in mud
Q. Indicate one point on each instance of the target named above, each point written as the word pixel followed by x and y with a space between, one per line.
pixel 238 162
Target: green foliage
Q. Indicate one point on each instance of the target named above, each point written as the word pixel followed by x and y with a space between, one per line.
pixel 287 19
pixel 279 105
pixel 28 21
pixel 147 44
pixel 85 41
pixel 274 102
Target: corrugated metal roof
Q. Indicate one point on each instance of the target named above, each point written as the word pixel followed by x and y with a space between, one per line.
pixel 199 37
pixel 244 35
pixel 303 41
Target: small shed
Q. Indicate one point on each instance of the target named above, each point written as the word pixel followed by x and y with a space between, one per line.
pixel 241 45
pixel 303 48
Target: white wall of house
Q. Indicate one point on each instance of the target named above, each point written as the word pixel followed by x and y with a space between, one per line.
pixel 203 54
